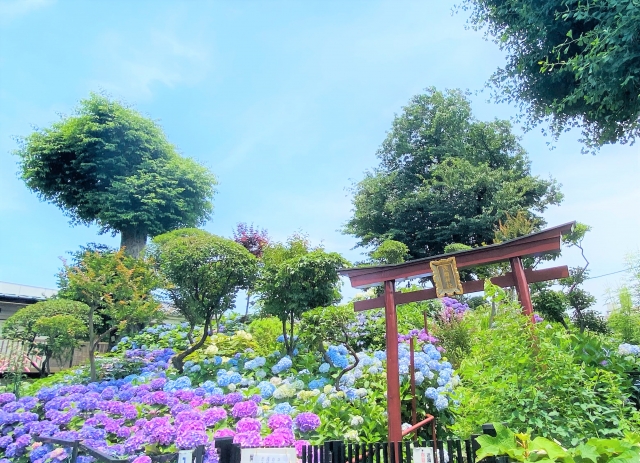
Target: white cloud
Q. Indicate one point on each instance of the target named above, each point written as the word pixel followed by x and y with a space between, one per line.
pixel 13 9
pixel 131 65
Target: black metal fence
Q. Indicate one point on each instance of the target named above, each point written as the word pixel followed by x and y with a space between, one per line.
pixel 448 451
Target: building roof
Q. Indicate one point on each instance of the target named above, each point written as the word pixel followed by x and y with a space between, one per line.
pixel 16 292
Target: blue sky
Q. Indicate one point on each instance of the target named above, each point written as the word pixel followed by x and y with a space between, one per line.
pixel 286 102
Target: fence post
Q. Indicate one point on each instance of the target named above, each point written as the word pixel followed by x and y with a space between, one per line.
pixel 474 445
pixel 225 449
pixel 199 454
pixel 327 453
pixel 74 452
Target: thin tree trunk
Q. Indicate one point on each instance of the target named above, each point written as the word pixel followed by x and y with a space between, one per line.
pixel 350 367
pixel 291 340
pixel 246 312
pixel 133 240
pixel 92 336
pixel 285 336
pixel 178 359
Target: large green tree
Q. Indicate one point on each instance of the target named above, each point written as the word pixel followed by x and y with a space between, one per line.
pixel 108 164
pixel 445 177
pixel 295 278
pixel 571 62
pixel 118 290
pixel 204 273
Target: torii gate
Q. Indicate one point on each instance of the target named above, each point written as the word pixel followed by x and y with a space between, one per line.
pixel 535 244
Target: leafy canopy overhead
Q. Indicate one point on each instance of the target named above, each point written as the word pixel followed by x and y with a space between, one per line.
pixel 110 165
pixel 445 177
pixel 296 278
pixel 204 273
pixel 572 63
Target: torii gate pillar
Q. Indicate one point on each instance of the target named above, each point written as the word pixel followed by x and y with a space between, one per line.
pixel 393 379
pixel 521 285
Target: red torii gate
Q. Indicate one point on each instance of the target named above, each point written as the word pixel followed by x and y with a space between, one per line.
pixel 535 244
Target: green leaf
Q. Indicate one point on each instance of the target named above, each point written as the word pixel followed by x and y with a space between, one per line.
pixel 586 452
pixel 502 444
pixel 548 447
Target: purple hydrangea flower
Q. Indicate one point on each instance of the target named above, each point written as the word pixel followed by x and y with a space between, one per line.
pixel 216 399
pixel 7 397
pixel 224 432
pixel 233 398
pixel 248 425
pixel 157 384
pixel 274 440
pixel 247 439
pixel 163 435
pixel 307 421
pixel 123 432
pixel 188 415
pixel 278 421
pixel 192 439
pixel 87 403
pixel 11 407
pixel 180 408
pixel 134 443
pixel 142 459
pixel 245 409
pixel 213 415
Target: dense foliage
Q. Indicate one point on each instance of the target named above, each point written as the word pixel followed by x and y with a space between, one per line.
pixel 574 63
pixel 118 290
pixel 110 165
pixel 445 177
pixel 204 273
pixel 49 329
pixel 296 278
pixel 566 386
pixel 522 448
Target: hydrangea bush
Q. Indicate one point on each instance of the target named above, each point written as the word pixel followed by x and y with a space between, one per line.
pixel 142 406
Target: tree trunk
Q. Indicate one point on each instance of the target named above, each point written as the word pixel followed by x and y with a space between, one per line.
pixel 246 312
pixel 92 336
pixel 178 359
pixel 133 240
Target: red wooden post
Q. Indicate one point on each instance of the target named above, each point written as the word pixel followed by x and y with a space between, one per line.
pixel 393 375
pixel 412 372
pixel 521 285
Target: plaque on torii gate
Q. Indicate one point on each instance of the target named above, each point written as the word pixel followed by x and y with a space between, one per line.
pixel 536 244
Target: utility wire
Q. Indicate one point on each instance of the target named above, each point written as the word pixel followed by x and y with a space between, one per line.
pixel 607 274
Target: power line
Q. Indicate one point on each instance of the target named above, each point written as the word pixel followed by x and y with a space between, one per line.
pixel 607 274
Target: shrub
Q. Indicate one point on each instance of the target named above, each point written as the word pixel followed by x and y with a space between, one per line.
pixel 267 331
pixel 566 386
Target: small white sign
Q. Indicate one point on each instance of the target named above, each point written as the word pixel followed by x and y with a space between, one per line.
pixel 266 455
pixel 421 455
pixel 185 456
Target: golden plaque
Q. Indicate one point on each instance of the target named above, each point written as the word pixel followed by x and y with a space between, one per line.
pixel 446 277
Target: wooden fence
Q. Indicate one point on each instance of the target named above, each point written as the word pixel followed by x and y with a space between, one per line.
pixel 10 349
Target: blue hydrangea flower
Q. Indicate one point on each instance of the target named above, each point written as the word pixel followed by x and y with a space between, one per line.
pixel 283 365
pixel 283 408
